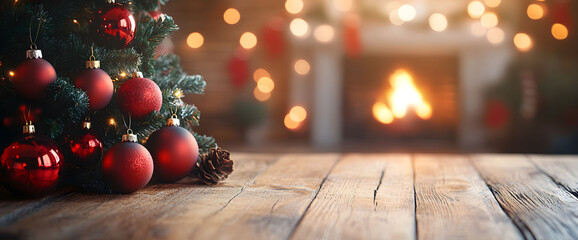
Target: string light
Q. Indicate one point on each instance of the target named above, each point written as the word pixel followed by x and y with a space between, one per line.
pixel 111 122
pixel 406 12
pixel 74 21
pixel 523 42
pixel 248 40
pixel 559 31
pixel 535 11
pixel 231 16
pixel 11 73
pixel 178 93
pixel 266 85
pixel 298 114
pixel 299 27
pixel 122 74
pixel 476 9
pixel 438 22
pixel 195 40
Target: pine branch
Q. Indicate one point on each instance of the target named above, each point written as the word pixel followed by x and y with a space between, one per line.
pixel 171 75
pixel 149 35
pixel 205 143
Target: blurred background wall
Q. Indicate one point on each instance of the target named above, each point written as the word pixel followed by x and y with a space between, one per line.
pixel 383 75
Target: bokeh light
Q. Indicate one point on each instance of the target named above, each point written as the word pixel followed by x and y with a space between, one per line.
pixel 495 35
pixel 324 33
pixel 301 67
pixel 294 6
pixel 476 9
pixel 265 84
pixel 298 113
pixel 248 40
pixel 343 5
pixel 394 18
pixel 231 16
pixel 489 20
pixel 299 27
pixel 478 29
pixel 493 3
pixel 406 12
pixel 535 11
pixel 289 123
pixel 523 42
pixel 382 113
pixel 438 22
pixel 261 96
pixel 259 73
pixel 195 40
pixel 559 31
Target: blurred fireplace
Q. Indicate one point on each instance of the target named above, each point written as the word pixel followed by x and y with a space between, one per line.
pixel 369 87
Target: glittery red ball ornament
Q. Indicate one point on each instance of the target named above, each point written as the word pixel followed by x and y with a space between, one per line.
pixel 139 97
pixel 30 166
pixel 174 151
pixel 85 147
pixel 32 77
pixel 127 166
pixel 97 85
pixel 113 26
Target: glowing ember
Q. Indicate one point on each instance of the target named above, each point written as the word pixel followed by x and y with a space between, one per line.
pixel 402 97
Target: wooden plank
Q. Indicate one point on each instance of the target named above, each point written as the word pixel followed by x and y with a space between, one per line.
pixel 272 207
pixel 562 169
pixel 539 207
pixel 364 197
pixel 453 202
pixel 92 216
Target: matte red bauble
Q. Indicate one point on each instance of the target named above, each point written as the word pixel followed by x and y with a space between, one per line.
pixel 113 26
pixel 30 166
pixel 32 77
pixel 97 85
pixel 139 97
pixel 85 147
pixel 174 151
pixel 127 166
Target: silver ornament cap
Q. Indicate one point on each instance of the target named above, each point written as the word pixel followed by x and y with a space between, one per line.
pixel 129 137
pixel 137 74
pixel 86 125
pixel 28 128
pixel 33 54
pixel 173 121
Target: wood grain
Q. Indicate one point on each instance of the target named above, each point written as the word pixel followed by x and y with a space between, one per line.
pixel 134 216
pixel 539 207
pixel 562 169
pixel 453 202
pixel 272 206
pixel 364 197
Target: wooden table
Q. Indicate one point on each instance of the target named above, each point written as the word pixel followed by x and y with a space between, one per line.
pixel 327 196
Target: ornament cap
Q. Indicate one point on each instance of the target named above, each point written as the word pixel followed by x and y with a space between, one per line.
pixel 28 128
pixel 173 121
pixel 109 1
pixel 129 136
pixel 86 125
pixel 92 64
pixel 137 74
pixel 33 54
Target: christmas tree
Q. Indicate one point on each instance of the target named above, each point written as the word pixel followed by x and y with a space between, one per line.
pixel 126 38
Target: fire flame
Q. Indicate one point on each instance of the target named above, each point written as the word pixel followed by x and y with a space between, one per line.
pixel 402 96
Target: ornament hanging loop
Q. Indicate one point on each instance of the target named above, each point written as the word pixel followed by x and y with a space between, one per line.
pixel 92 62
pixel 33 43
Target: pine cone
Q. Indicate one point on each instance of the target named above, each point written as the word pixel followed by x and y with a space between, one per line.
pixel 214 166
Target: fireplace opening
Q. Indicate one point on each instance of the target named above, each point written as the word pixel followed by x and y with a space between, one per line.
pixel 408 100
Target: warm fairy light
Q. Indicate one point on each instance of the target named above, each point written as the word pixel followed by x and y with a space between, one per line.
pixel 266 84
pixel 178 93
pixel 111 122
pixel 261 96
pixel 382 113
pixel 289 123
pixel 535 11
pixel 324 33
pixel 302 67
pixel 195 40
pixel 559 31
pixel 231 16
pixel 438 22
pixel 343 5
pixel 122 74
pixel 423 111
pixel 248 40
pixel 489 20
pixel 523 42
pixel 74 21
pixel 259 73
pixel 493 3
pixel 299 27
pixel 406 12
pixel 394 18
pixel 294 6
pixel 11 73
pixel 298 114
pixel 495 35
pixel 476 9
pixel 478 29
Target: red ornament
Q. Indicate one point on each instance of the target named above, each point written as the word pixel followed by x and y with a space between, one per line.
pixel 351 35
pixel 273 36
pixel 113 26
pixel 97 85
pixel 174 151
pixel 127 166
pixel 32 77
pixel 139 97
pixel 239 69
pixel 30 166
pixel 85 148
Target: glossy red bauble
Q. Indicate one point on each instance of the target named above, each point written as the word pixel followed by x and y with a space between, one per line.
pixel 174 151
pixel 85 149
pixel 32 77
pixel 97 85
pixel 30 166
pixel 127 167
pixel 113 26
pixel 139 97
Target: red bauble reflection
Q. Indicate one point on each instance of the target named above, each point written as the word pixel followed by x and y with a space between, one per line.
pixel 97 85
pixel 174 151
pixel 32 77
pixel 113 26
pixel 85 149
pixel 127 167
pixel 139 97
pixel 30 166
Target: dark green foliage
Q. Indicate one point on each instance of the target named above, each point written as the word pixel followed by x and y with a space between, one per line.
pixel 205 143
